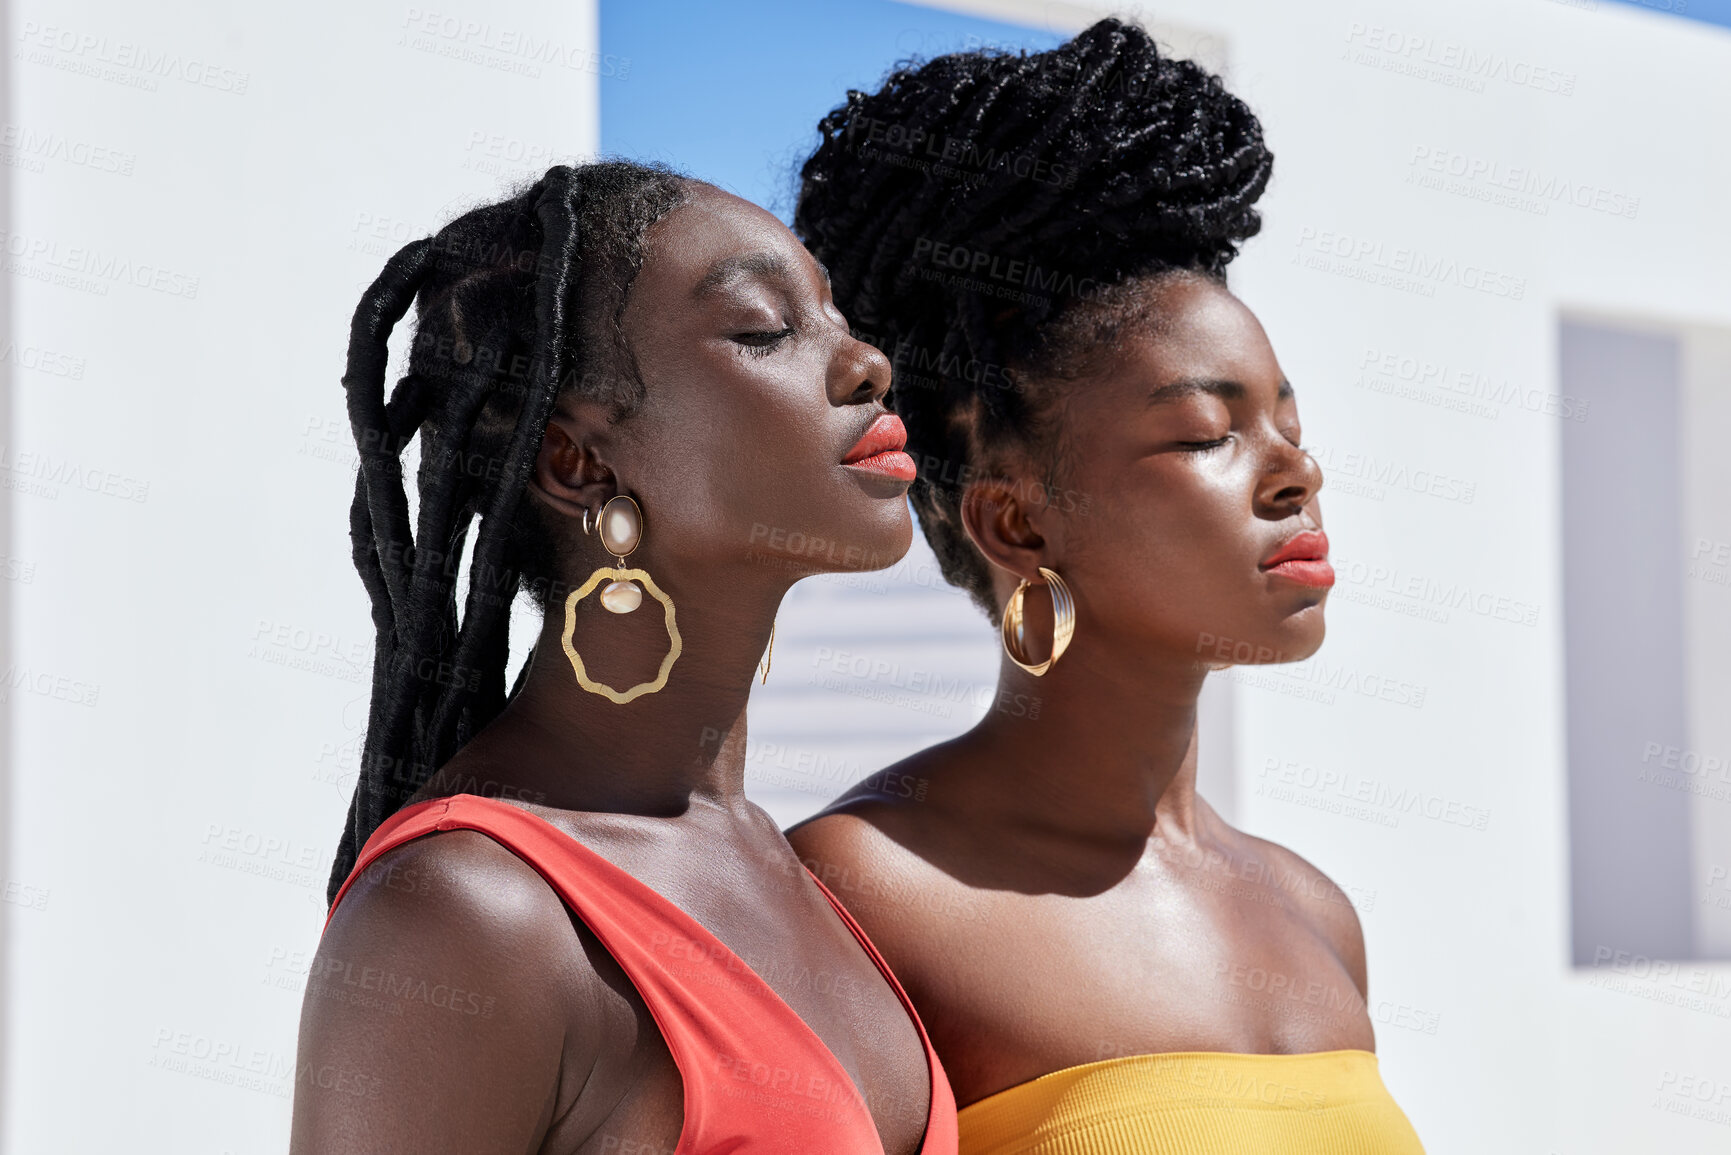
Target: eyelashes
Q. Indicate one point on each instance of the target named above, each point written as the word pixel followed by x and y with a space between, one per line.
pixel 764 343
pixel 1222 442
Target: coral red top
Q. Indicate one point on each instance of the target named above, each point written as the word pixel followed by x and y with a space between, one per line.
pixel 757 1079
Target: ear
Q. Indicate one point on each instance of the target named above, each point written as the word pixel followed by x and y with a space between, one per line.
pixel 572 470
pixel 1001 522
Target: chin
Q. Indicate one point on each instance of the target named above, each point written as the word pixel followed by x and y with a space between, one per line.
pixel 874 541
pixel 1301 635
pixel 882 541
pixel 1292 638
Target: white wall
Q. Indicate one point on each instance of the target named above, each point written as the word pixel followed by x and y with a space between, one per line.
pixel 166 843
pixel 174 809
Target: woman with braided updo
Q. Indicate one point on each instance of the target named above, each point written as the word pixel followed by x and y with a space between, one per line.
pixel 557 925
pixel 1110 463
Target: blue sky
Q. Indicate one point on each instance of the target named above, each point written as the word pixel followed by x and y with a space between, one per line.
pixel 1707 11
pixel 735 96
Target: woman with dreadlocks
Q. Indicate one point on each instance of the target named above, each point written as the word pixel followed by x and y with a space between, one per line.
pixel 1110 463
pixel 557 925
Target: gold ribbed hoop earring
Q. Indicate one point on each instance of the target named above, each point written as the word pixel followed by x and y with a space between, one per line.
pixel 1063 623
pixel 620 525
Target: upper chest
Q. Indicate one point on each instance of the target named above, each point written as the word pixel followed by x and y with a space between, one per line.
pixel 1012 985
pixel 781 1009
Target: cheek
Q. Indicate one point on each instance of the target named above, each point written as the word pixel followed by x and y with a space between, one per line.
pixel 726 459
pixel 740 457
pixel 1170 555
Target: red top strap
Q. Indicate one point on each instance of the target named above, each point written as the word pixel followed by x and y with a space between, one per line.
pixel 757 1079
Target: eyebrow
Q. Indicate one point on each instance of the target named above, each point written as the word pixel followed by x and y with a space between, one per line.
pixel 729 269
pixel 1225 390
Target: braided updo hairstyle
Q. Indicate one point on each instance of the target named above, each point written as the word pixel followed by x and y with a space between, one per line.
pixel 516 303
pixel 987 217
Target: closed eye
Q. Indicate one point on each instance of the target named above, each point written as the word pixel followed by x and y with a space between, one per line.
pixel 1204 446
pixel 762 343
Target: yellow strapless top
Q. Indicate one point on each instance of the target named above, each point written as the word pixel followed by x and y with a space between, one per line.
pixel 1196 1103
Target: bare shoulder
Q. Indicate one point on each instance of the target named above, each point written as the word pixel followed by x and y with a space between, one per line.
pixel 869 848
pixel 876 816
pixel 457 880
pixel 851 847
pixel 443 999
pixel 887 795
pixel 1311 892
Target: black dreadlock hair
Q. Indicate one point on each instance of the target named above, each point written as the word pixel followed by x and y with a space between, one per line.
pixel 987 216
pixel 516 303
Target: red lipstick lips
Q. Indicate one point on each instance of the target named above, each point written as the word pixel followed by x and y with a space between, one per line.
pixel 1303 559
pixel 879 449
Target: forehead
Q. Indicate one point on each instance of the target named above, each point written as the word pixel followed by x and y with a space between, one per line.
pixel 710 235
pixel 1168 337
pixel 1195 328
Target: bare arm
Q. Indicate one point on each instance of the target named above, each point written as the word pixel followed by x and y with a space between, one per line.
pixel 438 1007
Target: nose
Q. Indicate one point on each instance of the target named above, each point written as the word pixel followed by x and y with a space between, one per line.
pixel 859 373
pixel 1289 482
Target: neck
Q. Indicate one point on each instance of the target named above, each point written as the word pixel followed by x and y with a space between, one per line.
pixel 1111 757
pixel 662 752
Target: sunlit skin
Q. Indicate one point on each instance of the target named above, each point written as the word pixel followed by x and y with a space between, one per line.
pixel 1076 899
pixel 755 391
